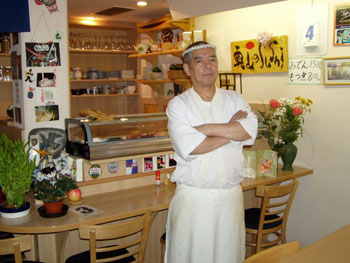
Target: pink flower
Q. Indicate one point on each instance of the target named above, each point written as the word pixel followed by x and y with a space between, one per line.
pixel 274 103
pixel 297 111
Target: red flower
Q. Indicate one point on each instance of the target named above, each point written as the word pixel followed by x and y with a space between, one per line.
pixel 297 111
pixel 274 104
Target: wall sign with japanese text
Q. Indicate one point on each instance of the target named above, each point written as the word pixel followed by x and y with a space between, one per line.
pixel 305 71
pixel 250 56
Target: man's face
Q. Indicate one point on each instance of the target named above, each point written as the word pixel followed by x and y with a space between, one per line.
pixel 203 67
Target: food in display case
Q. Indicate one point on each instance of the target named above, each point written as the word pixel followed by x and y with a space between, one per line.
pixel 125 135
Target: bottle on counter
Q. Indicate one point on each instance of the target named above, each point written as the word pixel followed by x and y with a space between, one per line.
pixel 157 177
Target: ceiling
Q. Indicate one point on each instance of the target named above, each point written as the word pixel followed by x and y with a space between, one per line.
pixel 78 9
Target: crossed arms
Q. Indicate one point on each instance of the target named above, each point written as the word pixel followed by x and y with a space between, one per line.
pixel 220 134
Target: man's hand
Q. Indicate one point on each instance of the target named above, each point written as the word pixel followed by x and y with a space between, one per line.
pixel 239 115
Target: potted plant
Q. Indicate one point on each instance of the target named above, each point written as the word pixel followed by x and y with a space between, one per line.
pixel 15 176
pixel 51 186
pixel 284 124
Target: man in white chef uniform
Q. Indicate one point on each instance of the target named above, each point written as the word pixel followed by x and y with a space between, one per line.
pixel 208 127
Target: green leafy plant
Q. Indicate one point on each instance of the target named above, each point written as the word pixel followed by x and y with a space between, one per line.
pixel 51 185
pixel 284 121
pixel 15 170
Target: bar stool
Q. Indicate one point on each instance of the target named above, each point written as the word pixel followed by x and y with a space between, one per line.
pixel 136 230
pixel 271 217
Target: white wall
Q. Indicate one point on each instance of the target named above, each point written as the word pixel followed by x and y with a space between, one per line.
pixel 322 202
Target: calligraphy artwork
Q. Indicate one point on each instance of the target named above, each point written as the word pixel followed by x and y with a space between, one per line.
pixel 342 25
pixel 43 54
pixel 305 71
pixel 250 56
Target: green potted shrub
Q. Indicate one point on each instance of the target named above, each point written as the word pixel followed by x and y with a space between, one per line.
pixel 15 174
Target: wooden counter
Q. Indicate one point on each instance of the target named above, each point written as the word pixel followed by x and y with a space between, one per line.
pixel 122 204
pixel 115 206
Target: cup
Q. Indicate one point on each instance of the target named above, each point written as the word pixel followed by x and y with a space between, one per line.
pixel 131 89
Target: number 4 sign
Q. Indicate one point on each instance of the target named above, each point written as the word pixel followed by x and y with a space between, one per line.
pixel 311 34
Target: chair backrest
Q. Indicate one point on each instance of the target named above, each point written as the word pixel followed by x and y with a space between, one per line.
pixel 15 246
pixel 274 214
pixel 275 253
pixel 136 229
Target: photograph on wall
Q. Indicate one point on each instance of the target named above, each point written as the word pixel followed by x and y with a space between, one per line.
pixel 305 71
pixel 342 25
pixel 43 54
pixel 131 166
pixel 336 71
pixel 251 56
pixel 46 79
pixel 46 113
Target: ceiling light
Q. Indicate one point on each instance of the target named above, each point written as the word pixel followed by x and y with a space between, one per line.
pixel 91 18
pixel 142 3
pixel 88 22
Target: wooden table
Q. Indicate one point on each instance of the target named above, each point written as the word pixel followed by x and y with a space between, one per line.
pixel 115 206
pixel 333 248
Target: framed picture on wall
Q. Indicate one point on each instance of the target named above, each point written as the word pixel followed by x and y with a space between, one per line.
pixel 336 71
pixel 341 33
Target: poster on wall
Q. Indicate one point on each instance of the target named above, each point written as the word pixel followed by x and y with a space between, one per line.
pixel 342 25
pixel 43 54
pixel 250 56
pixel 305 71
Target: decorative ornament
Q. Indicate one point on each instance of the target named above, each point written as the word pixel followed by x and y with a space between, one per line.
pixel 167 35
pixel 264 38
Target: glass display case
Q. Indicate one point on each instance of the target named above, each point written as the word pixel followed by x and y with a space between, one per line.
pixel 125 135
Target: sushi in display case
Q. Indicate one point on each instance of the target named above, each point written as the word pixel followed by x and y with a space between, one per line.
pixel 124 135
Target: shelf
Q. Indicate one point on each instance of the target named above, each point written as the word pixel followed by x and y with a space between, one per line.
pixel 146 81
pixel 5 82
pixel 102 95
pixel 88 51
pixel 101 80
pixel 153 56
pixel 5 55
pixel 174 52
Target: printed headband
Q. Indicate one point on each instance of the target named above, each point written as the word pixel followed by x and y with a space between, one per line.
pixel 198 47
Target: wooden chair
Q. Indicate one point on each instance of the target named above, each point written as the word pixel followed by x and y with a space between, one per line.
pixel 271 218
pixel 275 253
pixel 15 246
pixel 126 251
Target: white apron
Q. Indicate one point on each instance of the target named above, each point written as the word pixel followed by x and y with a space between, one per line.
pixel 205 225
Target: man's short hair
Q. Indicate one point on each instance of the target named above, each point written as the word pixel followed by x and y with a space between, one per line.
pixel 187 54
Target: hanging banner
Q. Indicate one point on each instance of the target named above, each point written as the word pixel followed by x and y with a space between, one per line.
pixel 305 71
pixel 250 56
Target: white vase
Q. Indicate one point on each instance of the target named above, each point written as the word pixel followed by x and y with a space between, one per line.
pixel 15 212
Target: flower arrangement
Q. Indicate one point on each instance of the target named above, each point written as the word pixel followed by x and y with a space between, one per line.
pixel 52 185
pixel 284 122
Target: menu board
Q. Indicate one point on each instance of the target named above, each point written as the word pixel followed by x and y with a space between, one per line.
pixel 305 71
